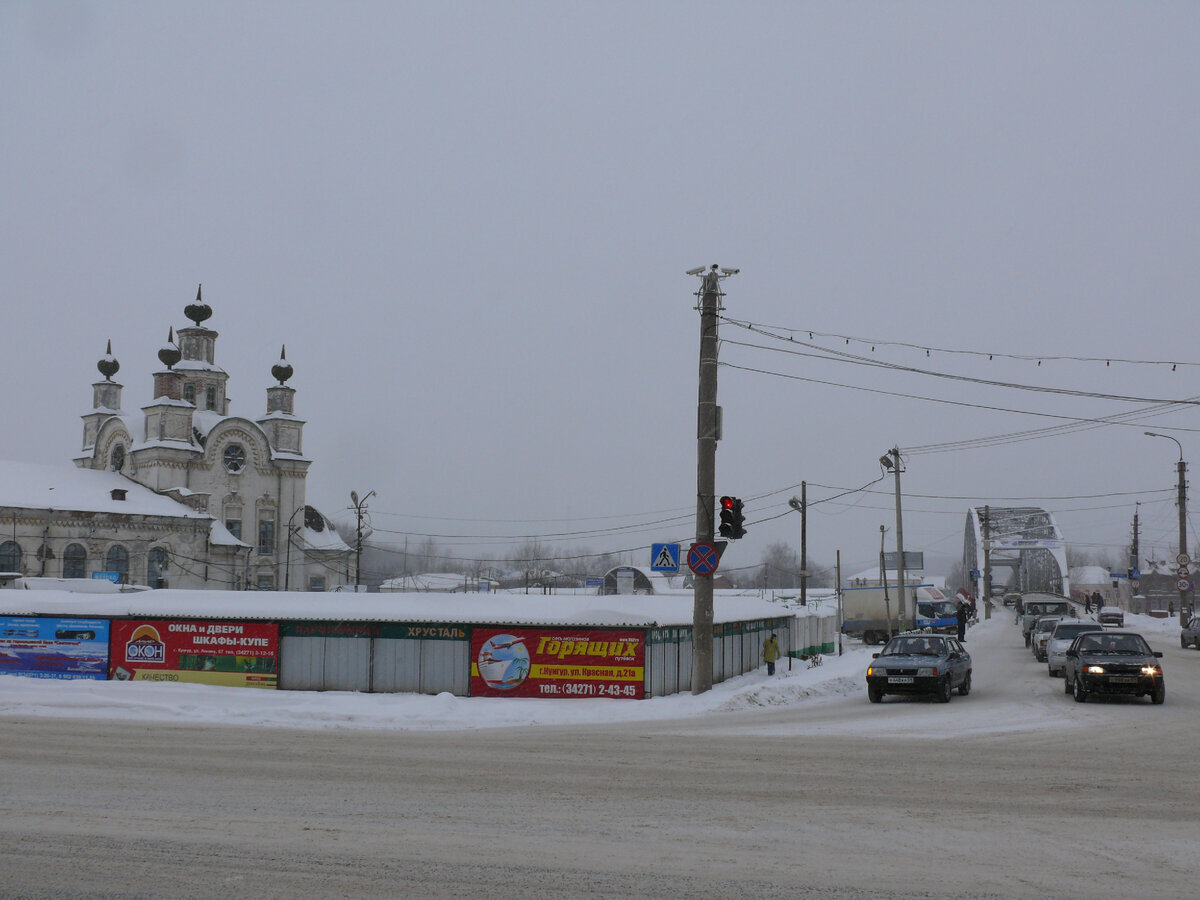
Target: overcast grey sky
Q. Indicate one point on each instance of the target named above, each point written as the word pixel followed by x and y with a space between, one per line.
pixel 470 223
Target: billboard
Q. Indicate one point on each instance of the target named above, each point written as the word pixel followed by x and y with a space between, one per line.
pixel 558 662
pixel 54 648
pixel 234 654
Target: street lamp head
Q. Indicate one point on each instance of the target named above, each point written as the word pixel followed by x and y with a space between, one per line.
pixel 354 497
pixel 886 462
pixel 796 504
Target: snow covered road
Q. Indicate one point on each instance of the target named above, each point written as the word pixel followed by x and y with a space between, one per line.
pixel 790 786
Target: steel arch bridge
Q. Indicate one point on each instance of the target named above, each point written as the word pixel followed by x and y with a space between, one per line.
pixel 1024 540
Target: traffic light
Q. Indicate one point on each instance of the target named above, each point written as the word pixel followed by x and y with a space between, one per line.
pixel 733 521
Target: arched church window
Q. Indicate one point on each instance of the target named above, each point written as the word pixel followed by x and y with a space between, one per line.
pixel 156 567
pixel 210 397
pixel 75 561
pixel 189 393
pixel 118 458
pixel 117 560
pixel 10 557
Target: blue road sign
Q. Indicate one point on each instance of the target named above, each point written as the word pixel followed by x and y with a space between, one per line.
pixel 664 557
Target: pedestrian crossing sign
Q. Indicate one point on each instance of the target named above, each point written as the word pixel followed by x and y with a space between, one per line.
pixel 664 557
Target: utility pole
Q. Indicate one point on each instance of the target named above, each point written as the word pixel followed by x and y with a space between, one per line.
pixel 839 600
pixel 987 554
pixel 1181 501
pixel 360 508
pixel 707 435
pixel 887 606
pixel 891 462
pixel 803 543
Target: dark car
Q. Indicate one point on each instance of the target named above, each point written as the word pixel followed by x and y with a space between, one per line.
pixel 1113 662
pixel 920 664
pixel 1191 634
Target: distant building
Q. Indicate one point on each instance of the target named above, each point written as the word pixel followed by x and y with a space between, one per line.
pixel 180 493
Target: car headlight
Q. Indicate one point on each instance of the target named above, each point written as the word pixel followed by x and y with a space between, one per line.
pixel 927 672
pixel 873 670
pixel 1151 670
pixel 1095 670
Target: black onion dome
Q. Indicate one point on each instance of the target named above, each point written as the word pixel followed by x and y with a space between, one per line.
pixel 108 366
pixel 198 311
pixel 169 355
pixel 282 370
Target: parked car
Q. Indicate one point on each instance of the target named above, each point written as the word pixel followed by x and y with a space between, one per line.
pixel 1040 633
pixel 1061 638
pixel 1111 615
pixel 1113 662
pixel 920 664
pixel 1191 634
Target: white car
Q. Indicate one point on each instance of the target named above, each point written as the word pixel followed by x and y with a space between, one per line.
pixel 1060 639
pixel 1111 615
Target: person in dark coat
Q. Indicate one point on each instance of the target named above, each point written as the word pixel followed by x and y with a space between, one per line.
pixel 961 615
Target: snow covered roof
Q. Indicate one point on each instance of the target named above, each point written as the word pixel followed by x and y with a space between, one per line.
pixel 219 535
pixel 42 486
pixel 1081 575
pixel 642 611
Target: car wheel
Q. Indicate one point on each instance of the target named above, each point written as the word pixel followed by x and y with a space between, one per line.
pixel 874 693
pixel 1078 692
pixel 1160 692
pixel 965 687
pixel 944 691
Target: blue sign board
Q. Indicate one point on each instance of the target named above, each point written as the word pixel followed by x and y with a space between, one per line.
pixel 54 648
pixel 664 557
pixel 593 581
pixel 114 577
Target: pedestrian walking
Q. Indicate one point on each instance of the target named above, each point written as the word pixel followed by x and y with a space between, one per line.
pixel 1087 603
pixel 770 653
pixel 961 615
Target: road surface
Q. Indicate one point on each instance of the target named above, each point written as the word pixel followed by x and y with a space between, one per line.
pixel 1014 791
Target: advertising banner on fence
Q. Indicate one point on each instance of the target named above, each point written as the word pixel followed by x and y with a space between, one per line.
pixel 54 648
pixel 235 654
pixel 558 662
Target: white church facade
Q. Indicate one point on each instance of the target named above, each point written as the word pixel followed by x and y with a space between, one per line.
pixel 180 493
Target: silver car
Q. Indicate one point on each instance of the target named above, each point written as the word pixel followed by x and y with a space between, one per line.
pixel 1040 633
pixel 1060 640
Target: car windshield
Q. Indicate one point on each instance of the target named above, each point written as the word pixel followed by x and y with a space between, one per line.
pixel 1046 624
pixel 914 646
pixel 938 609
pixel 1069 631
pixel 1101 643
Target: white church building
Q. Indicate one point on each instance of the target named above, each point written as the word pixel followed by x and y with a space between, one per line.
pixel 180 493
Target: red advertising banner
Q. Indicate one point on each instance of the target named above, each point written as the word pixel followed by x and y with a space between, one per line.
pixel 239 654
pixel 558 662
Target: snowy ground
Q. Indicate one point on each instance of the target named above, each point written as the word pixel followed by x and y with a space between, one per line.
pixel 794 685
pixel 792 786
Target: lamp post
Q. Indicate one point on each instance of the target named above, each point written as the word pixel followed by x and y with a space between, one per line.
pixel 891 463
pixel 1181 501
pixel 360 508
pixel 287 566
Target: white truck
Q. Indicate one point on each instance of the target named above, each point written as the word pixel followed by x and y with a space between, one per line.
pixel 867 614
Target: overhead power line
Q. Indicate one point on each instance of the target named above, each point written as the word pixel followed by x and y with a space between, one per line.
pixel 928 349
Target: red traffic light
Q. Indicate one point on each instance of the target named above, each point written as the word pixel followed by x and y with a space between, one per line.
pixel 726 503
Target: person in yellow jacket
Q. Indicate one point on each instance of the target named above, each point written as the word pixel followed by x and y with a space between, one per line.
pixel 770 653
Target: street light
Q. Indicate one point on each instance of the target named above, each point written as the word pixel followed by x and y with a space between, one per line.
pixel 287 566
pixel 360 507
pixel 890 462
pixel 1182 558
